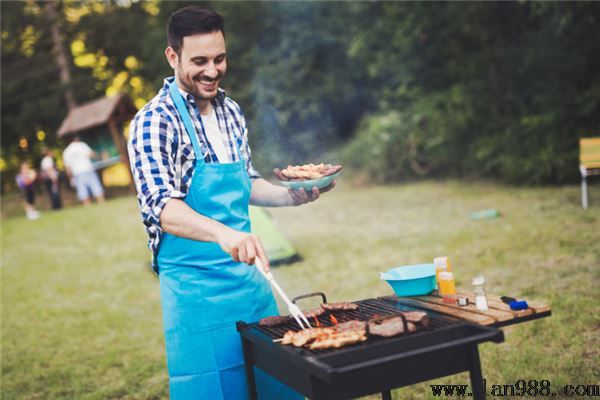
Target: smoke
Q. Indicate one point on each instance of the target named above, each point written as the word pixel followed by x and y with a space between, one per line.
pixel 303 103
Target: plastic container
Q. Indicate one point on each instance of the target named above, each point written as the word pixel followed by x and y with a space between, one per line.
pixel 411 280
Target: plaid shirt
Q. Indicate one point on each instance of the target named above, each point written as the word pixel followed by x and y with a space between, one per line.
pixel 162 156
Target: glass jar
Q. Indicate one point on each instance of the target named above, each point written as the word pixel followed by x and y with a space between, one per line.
pixel 479 293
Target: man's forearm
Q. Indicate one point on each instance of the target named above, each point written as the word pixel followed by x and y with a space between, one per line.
pixel 265 194
pixel 178 219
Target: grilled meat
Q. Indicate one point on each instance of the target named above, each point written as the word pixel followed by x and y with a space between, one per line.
pixel 353 325
pixel 390 327
pixel 274 320
pixel 341 306
pixel 331 337
pixel 279 175
pixel 352 331
pixel 303 337
pixel 315 312
pixel 338 339
pixel 417 317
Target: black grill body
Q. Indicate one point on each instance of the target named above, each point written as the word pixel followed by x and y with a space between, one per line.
pixel 447 347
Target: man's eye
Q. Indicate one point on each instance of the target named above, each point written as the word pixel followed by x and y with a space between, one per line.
pixel 219 60
pixel 200 62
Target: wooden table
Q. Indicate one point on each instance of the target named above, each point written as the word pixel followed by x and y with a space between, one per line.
pixel 498 315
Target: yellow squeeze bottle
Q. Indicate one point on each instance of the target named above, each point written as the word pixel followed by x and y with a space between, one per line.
pixel 447 286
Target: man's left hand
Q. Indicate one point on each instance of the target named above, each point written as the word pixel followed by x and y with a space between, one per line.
pixel 301 196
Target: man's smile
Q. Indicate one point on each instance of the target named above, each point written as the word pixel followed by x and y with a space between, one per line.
pixel 207 82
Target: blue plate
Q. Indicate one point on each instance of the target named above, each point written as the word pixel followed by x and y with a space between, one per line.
pixel 411 280
pixel 309 184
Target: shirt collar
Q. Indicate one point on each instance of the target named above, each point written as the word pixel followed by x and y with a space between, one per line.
pixel 187 96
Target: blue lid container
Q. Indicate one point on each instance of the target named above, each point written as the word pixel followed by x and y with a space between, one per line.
pixel 411 280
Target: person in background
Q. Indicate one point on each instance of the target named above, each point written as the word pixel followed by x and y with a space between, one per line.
pixel 26 181
pixel 78 162
pixel 192 168
pixel 50 177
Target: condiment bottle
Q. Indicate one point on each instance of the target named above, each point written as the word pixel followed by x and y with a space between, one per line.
pixel 447 286
pixel 442 264
pixel 479 292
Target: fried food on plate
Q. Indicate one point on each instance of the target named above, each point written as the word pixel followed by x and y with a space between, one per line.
pixel 306 171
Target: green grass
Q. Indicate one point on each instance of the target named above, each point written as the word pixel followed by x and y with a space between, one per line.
pixel 81 314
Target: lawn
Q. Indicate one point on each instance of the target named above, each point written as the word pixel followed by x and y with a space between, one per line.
pixel 81 313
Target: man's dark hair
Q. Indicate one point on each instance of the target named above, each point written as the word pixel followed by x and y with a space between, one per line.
pixel 192 20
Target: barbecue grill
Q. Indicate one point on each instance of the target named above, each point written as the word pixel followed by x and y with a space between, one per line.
pixel 378 365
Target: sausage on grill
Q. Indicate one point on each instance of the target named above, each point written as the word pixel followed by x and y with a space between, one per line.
pixel 341 306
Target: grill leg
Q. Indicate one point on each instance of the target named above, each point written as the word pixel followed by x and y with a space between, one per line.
pixel 249 368
pixel 387 395
pixel 475 374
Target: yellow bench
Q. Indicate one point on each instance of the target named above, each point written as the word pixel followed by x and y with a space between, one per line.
pixel 589 163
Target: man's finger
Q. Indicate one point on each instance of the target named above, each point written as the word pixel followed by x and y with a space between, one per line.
pixel 234 254
pixel 315 194
pixel 301 194
pixel 250 252
pixel 242 252
pixel 260 253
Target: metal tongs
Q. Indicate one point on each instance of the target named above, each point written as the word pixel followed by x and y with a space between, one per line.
pixel 292 308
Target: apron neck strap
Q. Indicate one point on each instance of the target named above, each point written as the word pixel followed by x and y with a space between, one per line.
pixel 187 119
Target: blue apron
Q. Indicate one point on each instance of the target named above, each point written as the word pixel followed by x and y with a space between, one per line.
pixel 204 292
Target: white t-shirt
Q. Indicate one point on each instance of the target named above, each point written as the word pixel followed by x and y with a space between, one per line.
pixel 47 163
pixel 214 136
pixel 77 157
pixel 47 167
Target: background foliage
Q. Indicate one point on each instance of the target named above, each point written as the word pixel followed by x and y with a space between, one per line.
pixel 499 90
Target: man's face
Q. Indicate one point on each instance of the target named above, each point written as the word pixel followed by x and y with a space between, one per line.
pixel 202 64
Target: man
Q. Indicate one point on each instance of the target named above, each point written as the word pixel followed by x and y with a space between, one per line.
pixel 78 162
pixel 191 164
pixel 50 177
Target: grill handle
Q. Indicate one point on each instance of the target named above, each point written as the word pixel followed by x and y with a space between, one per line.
pixel 305 296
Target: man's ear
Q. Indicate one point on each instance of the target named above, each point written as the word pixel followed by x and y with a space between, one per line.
pixel 172 57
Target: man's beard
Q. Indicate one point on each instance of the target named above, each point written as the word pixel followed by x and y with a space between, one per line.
pixel 190 86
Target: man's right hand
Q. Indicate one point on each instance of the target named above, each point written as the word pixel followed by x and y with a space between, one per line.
pixel 243 247
pixel 177 218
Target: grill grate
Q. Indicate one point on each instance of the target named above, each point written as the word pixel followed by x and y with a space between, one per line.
pixel 367 309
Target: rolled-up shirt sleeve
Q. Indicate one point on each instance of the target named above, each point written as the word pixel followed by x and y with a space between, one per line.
pixel 152 151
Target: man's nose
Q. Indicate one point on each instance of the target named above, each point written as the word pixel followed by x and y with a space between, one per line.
pixel 211 70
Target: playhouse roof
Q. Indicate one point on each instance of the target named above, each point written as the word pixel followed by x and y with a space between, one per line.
pixel 97 112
